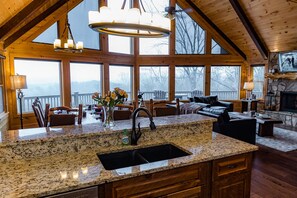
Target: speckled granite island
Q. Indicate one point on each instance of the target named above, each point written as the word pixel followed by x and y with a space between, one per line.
pixel 47 161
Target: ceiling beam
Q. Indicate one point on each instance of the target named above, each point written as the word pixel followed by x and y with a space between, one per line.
pixel 34 22
pixel 20 17
pixel 216 28
pixel 250 29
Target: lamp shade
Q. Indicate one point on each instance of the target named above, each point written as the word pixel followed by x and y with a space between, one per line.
pixel 248 86
pixel 18 82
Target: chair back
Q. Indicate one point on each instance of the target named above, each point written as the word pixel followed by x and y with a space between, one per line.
pixel 121 112
pixel 164 108
pixel 42 118
pixel 63 115
pixel 39 105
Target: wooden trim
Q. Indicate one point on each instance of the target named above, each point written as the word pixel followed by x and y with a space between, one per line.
pixel 20 17
pixel 222 34
pixel 250 29
pixel 207 79
pixel 66 83
pixel 33 23
pixel 171 82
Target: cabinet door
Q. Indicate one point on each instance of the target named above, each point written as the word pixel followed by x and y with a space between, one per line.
pixel 160 184
pixel 232 187
pixel 196 192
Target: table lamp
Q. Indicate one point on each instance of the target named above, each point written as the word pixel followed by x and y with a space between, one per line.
pixel 18 82
pixel 248 86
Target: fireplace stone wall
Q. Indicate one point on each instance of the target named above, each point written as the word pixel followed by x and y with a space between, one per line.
pixel 276 86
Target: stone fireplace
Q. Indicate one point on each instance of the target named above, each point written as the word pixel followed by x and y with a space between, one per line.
pixel 286 95
pixel 288 101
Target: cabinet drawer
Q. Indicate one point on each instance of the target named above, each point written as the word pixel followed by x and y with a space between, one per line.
pixel 91 192
pixel 160 183
pixel 230 165
pixel 195 192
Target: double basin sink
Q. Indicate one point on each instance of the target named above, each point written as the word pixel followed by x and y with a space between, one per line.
pixel 135 157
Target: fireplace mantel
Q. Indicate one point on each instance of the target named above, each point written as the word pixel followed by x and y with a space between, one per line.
pixel 290 76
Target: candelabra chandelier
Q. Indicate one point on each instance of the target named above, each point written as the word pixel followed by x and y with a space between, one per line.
pixel 134 22
pixel 69 45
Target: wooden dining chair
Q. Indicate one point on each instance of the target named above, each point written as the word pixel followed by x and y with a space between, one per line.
pixel 40 114
pixel 64 115
pixel 164 108
pixel 121 112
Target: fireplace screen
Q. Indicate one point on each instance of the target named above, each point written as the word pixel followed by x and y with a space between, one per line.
pixel 288 101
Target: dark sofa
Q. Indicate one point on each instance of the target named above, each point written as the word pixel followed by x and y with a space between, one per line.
pixel 241 129
pixel 213 102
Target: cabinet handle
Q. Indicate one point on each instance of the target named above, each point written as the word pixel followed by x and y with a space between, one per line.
pixel 232 166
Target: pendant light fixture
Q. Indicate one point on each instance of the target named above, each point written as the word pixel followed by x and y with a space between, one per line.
pixel 67 44
pixel 134 22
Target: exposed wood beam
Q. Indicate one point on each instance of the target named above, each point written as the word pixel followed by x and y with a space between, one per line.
pixel 216 28
pixel 250 29
pixel 20 17
pixel 34 22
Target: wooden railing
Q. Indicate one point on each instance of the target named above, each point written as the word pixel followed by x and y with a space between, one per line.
pixel 86 98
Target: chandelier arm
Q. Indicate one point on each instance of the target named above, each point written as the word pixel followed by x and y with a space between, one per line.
pixel 142 6
pixel 124 4
pixel 70 32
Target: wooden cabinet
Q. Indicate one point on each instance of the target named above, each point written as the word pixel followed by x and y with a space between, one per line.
pixel 222 178
pixel 189 181
pixel 231 177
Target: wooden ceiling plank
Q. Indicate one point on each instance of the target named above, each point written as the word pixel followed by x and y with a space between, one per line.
pixel 250 29
pixel 19 17
pixel 193 5
pixel 34 22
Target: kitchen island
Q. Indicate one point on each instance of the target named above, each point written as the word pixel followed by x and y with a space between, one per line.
pixel 47 161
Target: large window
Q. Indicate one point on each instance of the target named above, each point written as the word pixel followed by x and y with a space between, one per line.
pixel 156 46
pixel 119 44
pixel 225 82
pixel 189 81
pixel 121 76
pixel 217 49
pixel 258 74
pixel 154 82
pixel 49 35
pixel 85 80
pixel 78 19
pixel 190 37
pixel 43 81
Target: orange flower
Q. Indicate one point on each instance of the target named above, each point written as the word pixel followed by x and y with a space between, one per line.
pixel 107 99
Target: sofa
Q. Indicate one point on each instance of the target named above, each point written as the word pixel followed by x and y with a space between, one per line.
pixel 241 129
pixel 213 102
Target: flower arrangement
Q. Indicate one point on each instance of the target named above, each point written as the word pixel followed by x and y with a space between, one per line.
pixel 111 99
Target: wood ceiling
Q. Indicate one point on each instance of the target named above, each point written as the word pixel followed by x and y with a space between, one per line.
pixel 274 21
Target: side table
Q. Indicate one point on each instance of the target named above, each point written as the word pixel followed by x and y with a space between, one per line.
pixel 249 105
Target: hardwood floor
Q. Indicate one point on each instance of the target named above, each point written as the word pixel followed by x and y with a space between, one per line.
pixel 274 174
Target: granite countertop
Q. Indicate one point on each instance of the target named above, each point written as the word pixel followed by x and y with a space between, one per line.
pixel 61 172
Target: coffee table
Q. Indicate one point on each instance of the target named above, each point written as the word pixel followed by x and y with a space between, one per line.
pixel 265 124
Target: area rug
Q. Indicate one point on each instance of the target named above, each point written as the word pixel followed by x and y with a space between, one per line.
pixel 282 140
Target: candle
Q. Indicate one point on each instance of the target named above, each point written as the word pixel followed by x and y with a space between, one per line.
pixel 79 45
pixel 70 43
pixel 65 45
pixel 57 43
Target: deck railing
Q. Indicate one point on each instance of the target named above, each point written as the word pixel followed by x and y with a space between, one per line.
pixel 86 98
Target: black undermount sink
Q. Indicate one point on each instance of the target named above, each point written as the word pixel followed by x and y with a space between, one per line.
pixel 135 157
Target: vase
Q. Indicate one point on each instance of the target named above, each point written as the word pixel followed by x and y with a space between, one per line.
pixel 108 116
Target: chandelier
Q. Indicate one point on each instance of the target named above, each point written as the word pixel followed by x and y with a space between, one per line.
pixel 133 22
pixel 69 44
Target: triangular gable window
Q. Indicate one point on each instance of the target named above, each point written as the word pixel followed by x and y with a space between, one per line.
pixel 78 19
pixel 217 49
pixel 190 37
pixel 49 35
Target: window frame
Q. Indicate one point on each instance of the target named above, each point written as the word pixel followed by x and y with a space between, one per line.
pixel 263 88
